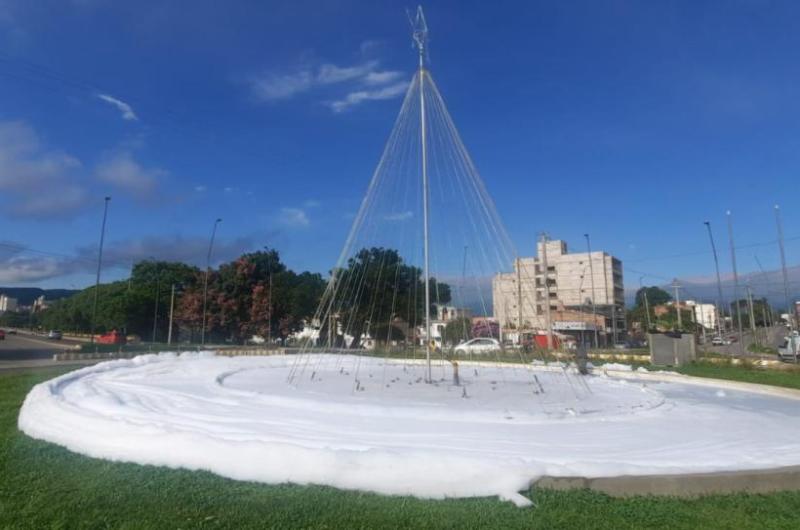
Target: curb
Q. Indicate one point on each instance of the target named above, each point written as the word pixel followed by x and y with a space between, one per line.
pixel 683 485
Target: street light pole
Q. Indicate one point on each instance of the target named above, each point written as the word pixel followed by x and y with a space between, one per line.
pixel 594 299
pixel 719 281
pixel 171 314
pixel 735 284
pixel 779 224
pixel 155 310
pixel 205 279
pixel 646 304
pixel 99 266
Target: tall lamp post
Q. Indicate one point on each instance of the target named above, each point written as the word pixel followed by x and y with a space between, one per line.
pixel 99 266
pixel 719 281
pixel 171 312
pixel 646 304
pixel 158 293
pixel 594 300
pixel 205 280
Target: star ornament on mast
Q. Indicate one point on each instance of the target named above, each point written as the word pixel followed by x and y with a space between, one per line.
pixel 420 34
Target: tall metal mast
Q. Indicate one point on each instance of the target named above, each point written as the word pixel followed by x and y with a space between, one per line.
pixel 735 283
pixel 420 35
pixel 789 309
pixel 719 282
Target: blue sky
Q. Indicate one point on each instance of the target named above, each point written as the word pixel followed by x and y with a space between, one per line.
pixel 634 121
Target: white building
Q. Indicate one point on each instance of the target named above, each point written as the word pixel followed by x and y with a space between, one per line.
pixel 575 281
pixel 704 314
pixel 7 303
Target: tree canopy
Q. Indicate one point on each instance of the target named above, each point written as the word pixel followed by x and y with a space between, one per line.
pixel 655 296
pixel 375 287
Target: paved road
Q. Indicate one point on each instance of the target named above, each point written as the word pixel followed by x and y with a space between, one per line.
pixel 775 337
pixel 18 351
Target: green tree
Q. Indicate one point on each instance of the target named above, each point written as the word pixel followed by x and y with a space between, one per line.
pixel 457 330
pixel 655 296
pixel 253 295
pixel 377 286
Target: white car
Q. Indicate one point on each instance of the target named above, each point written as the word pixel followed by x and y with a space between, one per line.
pixel 478 346
pixel 789 350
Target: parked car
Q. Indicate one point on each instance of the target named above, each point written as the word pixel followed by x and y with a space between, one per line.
pixel 789 350
pixel 478 346
pixel 12 331
pixel 2 335
pixel 112 337
pixel 719 341
pixel 55 334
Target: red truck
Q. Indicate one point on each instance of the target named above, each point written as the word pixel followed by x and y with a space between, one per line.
pixel 112 337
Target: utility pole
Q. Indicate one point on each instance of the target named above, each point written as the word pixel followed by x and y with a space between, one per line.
pixel 171 313
pixel 420 36
pixel 594 296
pixel 646 304
pixel 269 312
pixel 99 266
pixel 158 293
pixel 735 283
pixel 676 287
pixel 719 281
pixel 703 321
pixel 768 318
pixel 463 278
pixel 548 322
pixel 519 302
pixel 789 308
pixel 752 316
pixel 205 280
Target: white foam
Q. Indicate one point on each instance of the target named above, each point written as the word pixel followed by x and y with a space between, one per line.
pixel 372 425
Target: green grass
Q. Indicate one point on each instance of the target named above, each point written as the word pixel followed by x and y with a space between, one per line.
pixel 788 376
pixel 45 486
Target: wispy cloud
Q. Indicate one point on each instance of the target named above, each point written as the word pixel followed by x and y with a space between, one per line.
pixel 399 216
pixel 295 217
pixel 37 181
pixel 363 81
pixel 312 203
pixel 354 98
pixel 125 109
pixel 123 171
pixel 18 265
pixel 200 189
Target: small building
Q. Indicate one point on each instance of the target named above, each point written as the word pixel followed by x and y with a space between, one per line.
pixel 7 303
pixel 581 286
pixel 704 314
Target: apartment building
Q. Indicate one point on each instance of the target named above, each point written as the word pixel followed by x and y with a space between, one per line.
pixel 567 285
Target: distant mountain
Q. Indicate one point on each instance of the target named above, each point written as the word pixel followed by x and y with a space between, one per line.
pixel 26 295
pixel 767 284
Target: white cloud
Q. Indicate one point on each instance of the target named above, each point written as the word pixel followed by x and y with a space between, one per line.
pixel 330 73
pixel 24 269
pixel 294 217
pixel 312 203
pixel 34 180
pixel 400 216
pixel 124 108
pixel 354 98
pixel 121 170
pixel 273 87
pixel 20 266
pixel 380 78
pixel 364 81
pixel 200 189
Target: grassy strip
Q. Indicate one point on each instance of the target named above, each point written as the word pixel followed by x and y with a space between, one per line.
pixel 43 485
pixel 787 377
